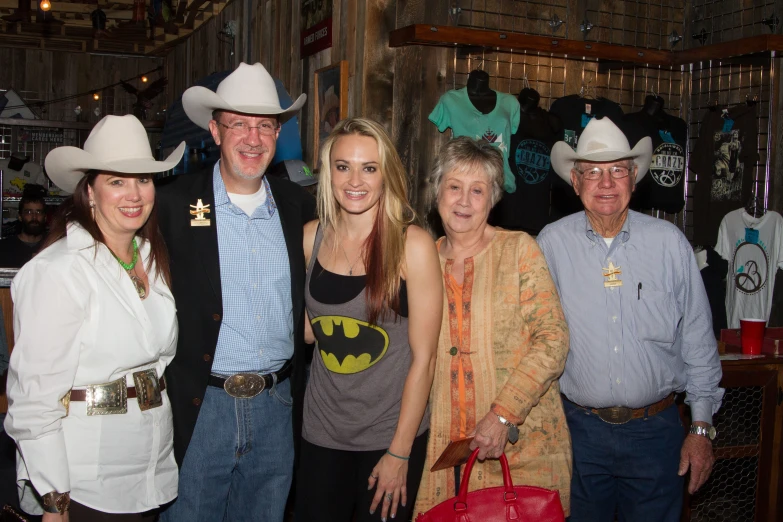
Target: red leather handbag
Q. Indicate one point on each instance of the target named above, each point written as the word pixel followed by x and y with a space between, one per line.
pixel 506 503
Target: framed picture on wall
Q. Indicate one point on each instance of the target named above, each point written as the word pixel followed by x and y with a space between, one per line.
pixel 331 103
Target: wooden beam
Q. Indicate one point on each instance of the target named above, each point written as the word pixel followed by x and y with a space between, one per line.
pixel 722 51
pixel 444 36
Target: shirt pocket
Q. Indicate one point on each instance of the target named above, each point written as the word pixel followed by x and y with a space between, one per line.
pixel 656 316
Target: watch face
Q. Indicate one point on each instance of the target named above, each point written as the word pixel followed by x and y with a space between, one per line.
pixel 711 432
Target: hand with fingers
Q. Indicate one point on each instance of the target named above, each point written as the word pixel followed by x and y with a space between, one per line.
pixel 490 437
pixel 697 455
pixel 389 477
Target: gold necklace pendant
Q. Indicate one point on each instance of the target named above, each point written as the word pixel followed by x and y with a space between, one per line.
pixel 138 284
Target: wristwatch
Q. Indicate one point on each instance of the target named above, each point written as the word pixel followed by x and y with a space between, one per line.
pixel 54 502
pixel 709 432
pixel 513 430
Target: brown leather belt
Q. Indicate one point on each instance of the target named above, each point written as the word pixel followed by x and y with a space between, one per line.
pixel 621 414
pixel 81 395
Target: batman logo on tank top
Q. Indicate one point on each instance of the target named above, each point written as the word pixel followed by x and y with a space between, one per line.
pixel 348 345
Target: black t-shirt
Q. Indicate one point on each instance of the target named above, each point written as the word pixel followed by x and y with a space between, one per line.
pixel 662 188
pixel 724 159
pixel 575 112
pixel 14 252
pixel 528 157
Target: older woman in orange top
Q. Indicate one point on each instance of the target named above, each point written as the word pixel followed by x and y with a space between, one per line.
pixel 503 342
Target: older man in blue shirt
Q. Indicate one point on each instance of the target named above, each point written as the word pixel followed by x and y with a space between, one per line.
pixel 641 332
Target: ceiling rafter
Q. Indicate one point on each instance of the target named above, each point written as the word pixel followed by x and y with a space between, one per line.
pixel 68 26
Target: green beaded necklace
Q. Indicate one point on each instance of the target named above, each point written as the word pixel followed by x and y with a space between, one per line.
pixel 136 280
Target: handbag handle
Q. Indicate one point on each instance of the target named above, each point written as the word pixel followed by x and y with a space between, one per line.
pixel 508 486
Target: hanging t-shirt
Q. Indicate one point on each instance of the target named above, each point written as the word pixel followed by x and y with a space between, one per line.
pixel 15 180
pixel 663 187
pixel 723 158
pixel 754 249
pixel 575 112
pixel 456 112
pixel 528 208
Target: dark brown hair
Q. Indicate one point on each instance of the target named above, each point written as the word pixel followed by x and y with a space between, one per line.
pixel 76 208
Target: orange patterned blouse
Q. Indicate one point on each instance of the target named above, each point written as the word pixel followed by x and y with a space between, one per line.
pixel 503 344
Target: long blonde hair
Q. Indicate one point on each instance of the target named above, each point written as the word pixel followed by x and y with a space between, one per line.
pixel 384 248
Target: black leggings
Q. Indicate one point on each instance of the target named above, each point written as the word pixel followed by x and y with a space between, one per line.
pixel 331 484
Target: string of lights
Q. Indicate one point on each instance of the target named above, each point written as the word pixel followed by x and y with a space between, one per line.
pixel 93 93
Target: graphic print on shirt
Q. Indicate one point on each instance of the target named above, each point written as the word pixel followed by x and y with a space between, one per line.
pixel 571 138
pixel 348 345
pixel 532 161
pixel 668 164
pixel 494 138
pixel 728 168
pixel 750 266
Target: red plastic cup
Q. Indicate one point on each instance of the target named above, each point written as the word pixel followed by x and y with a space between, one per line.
pixel 752 335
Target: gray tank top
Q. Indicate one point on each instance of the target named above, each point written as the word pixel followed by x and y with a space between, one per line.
pixel 358 372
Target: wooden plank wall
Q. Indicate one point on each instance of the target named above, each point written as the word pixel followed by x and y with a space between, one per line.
pixel 39 75
pixel 206 51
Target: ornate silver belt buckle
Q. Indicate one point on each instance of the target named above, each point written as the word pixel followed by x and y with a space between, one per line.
pixel 110 398
pixel 147 389
pixel 244 385
pixel 615 415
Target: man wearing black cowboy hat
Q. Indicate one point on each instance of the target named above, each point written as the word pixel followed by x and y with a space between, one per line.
pixel 235 241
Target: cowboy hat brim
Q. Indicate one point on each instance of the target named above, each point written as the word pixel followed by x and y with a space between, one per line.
pixel 563 158
pixel 66 166
pixel 200 102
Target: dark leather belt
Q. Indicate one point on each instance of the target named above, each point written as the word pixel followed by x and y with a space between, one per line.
pixel 247 385
pixel 621 414
pixel 81 395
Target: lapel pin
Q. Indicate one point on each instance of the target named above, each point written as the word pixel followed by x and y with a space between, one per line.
pixel 199 209
pixel 611 274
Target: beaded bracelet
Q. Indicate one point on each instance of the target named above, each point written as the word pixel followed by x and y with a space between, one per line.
pixel 397 456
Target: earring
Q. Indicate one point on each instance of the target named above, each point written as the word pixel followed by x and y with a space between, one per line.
pixel 92 209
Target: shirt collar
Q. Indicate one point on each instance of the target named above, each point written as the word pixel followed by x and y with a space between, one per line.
pixel 624 235
pixel 221 194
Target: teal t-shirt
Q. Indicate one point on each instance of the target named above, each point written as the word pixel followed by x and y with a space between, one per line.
pixel 455 111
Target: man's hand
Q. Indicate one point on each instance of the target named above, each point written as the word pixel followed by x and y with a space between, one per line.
pixel 696 454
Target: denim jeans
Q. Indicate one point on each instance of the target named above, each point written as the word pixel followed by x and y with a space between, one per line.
pixel 630 468
pixel 239 464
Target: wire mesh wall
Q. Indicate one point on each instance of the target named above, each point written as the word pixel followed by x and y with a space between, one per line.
pixel 533 17
pixel 730 493
pixel 724 20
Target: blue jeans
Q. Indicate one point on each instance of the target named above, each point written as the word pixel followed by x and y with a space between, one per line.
pixel 630 468
pixel 239 464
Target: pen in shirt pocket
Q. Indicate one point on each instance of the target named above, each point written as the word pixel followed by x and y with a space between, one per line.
pixel 639 292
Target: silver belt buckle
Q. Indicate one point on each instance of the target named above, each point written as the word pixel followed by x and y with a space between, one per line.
pixel 615 415
pixel 110 398
pixel 244 385
pixel 147 389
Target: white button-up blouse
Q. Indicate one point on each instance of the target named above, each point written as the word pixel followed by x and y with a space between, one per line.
pixel 79 321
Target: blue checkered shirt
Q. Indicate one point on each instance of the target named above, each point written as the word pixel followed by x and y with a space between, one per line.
pixel 632 345
pixel 257 332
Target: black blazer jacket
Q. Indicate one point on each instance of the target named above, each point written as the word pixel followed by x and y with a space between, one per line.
pixel 195 274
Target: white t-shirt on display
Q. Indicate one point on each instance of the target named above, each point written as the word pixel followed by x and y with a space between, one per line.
pixel 15 180
pixel 754 249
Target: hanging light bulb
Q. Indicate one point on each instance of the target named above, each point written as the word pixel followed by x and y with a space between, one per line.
pixel 45 5
pixel 96 96
pixel 144 79
pixel 77 110
pixel 97 111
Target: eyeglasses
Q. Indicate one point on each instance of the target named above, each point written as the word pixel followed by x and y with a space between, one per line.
pixel 241 128
pixel 31 212
pixel 597 173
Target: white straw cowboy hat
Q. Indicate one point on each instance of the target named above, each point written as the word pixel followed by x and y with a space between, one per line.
pixel 116 144
pixel 601 141
pixel 249 90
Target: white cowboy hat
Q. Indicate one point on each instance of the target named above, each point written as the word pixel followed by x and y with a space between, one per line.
pixel 249 90
pixel 116 144
pixel 601 141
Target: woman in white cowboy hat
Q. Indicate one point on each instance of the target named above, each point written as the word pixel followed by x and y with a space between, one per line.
pixel 95 327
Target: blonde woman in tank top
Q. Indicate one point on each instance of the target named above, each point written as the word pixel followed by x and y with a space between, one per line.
pixel 374 300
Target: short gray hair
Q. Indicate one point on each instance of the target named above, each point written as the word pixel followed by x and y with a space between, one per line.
pixel 466 154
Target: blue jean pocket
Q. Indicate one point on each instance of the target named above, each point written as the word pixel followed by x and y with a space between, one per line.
pixel 282 392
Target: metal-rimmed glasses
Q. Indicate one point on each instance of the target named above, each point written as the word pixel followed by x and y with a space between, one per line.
pixel 597 173
pixel 32 211
pixel 267 128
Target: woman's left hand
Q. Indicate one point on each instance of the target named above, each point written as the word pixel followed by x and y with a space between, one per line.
pixel 389 475
pixel 490 437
